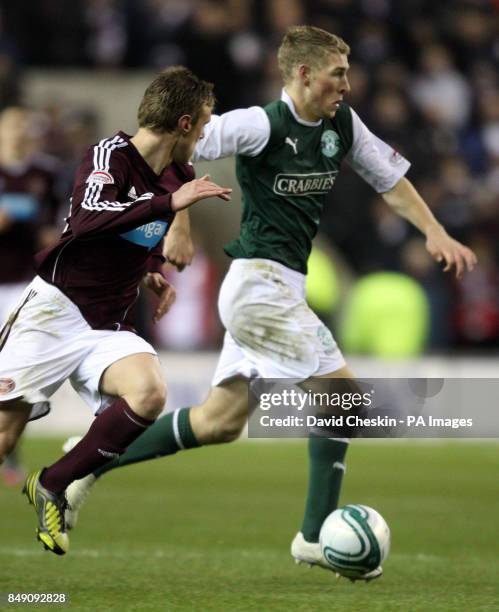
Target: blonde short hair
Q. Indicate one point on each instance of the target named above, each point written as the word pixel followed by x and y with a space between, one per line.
pixel 307 45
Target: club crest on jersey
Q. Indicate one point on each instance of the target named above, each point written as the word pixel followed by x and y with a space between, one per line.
pixel 330 143
pixel 101 177
pixel 325 338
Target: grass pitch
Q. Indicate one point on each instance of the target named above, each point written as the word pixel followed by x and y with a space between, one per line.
pixel 210 530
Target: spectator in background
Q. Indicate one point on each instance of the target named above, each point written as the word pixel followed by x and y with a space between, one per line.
pixel 68 134
pixel 473 32
pixel 392 118
pixel 457 188
pixel 107 32
pixel 440 91
pixel 9 68
pixel 488 109
pixel 373 45
pixel 28 204
pixel 28 209
pixel 205 42
pixel 476 307
pixel 360 83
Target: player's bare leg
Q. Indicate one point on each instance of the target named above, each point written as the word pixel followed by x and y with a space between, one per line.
pixel 13 418
pixel 223 415
pixel 219 419
pixel 137 383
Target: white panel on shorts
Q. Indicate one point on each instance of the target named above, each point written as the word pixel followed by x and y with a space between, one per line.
pixel 271 331
pixel 10 294
pixel 51 342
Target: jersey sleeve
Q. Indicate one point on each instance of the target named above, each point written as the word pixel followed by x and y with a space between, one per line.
pixel 244 131
pixel 156 259
pixel 374 160
pixel 99 203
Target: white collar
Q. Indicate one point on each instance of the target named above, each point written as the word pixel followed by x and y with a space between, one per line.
pixel 285 97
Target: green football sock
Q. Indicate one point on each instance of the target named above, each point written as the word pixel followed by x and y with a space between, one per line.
pixel 166 436
pixel 326 469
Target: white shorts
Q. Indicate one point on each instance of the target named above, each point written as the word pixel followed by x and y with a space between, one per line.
pixel 50 342
pixel 271 331
pixel 10 294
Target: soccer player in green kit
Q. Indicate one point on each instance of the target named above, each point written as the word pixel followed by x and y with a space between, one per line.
pixel 288 156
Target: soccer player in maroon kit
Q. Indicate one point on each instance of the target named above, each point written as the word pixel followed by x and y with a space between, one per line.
pixel 75 320
pixel 28 211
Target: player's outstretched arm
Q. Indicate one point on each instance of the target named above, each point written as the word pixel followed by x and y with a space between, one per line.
pixel 196 190
pixel 406 202
pixel 178 248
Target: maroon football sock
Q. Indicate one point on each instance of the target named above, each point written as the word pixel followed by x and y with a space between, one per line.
pixel 109 435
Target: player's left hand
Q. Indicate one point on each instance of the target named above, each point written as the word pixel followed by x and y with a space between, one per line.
pixel 157 283
pixel 443 248
pixel 178 248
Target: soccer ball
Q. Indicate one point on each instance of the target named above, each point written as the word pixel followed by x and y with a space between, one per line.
pixel 354 540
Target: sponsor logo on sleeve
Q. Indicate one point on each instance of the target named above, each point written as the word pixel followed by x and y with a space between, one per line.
pixel 147 235
pixel 396 158
pixel 101 177
pixel 6 385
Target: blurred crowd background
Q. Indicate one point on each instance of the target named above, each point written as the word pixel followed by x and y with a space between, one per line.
pixel 424 77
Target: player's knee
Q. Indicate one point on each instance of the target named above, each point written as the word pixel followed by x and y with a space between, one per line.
pixel 148 400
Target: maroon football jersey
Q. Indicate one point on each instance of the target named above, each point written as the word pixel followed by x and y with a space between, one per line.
pixel 28 198
pixel 120 212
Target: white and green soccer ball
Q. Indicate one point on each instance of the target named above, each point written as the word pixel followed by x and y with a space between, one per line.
pixel 354 540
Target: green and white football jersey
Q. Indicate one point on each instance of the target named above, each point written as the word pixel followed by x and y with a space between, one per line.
pixel 286 166
pixel 284 187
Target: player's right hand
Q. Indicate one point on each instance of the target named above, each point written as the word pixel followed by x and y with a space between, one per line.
pixel 158 284
pixel 198 189
pixel 445 249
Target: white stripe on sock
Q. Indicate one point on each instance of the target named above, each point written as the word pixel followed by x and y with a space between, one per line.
pixel 134 421
pixel 176 431
pixel 337 465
